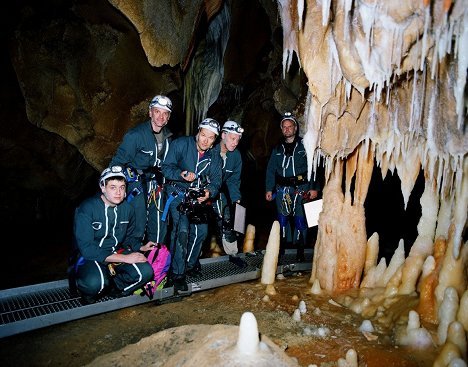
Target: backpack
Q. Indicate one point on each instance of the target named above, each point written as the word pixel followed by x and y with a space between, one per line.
pixel 160 260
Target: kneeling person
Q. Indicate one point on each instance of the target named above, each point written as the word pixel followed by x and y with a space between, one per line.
pixel 109 260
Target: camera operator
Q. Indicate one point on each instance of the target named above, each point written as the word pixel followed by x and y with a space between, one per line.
pixel 193 174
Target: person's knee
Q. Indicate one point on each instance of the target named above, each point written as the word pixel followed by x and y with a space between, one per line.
pixel 90 286
pixel 147 272
pixel 183 238
pixel 300 223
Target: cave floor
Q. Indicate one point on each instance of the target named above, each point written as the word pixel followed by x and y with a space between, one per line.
pixel 79 342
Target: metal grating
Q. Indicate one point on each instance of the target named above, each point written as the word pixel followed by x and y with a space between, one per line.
pixel 36 306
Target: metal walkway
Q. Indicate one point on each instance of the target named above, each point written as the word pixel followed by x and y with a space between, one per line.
pixel 33 307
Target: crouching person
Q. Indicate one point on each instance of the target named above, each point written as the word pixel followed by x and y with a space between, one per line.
pixel 109 258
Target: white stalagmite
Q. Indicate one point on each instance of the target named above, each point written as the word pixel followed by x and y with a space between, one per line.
pixel 448 353
pixel 396 261
pixel 249 339
pixel 374 274
pixel 372 252
pixel 315 289
pixel 457 362
pixel 350 361
pixel 423 245
pixel 462 315
pixel 447 313
pixel 270 260
pixel 411 270
pixel 415 335
pixel 456 335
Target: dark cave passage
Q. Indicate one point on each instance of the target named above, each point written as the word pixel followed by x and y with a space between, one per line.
pixel 386 215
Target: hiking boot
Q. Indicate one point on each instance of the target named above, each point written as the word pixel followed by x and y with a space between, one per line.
pixel 87 300
pixel 194 273
pixel 236 260
pixel 114 292
pixel 180 285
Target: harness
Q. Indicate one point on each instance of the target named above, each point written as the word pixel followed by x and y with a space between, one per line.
pixel 177 191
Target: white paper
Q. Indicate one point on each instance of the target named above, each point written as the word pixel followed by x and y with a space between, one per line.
pixel 312 211
pixel 239 219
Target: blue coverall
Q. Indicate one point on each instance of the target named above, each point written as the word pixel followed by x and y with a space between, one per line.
pixel 287 175
pixel 184 156
pixel 229 193
pixel 139 150
pixel 99 231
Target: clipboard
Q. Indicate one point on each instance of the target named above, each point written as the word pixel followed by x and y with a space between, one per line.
pixel 239 218
pixel 312 211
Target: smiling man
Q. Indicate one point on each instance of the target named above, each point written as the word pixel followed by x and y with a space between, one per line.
pixel 193 173
pixel 142 150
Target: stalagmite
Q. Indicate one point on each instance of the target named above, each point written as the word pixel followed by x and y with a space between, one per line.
pixel 270 261
pixel 248 340
pixel 427 307
pixel 394 283
pixel 350 361
pixel 411 271
pixel 448 353
pixel 215 250
pixel 456 335
pixel 462 315
pixel 447 313
pixel 249 239
pixel 316 287
pixel 415 335
pixel 396 261
pixel 372 252
pixel 423 245
pixel 374 274
pixel 453 271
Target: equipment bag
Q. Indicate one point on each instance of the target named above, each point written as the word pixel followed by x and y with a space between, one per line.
pixel 160 260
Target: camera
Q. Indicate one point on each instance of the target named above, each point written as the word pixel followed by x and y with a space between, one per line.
pixel 194 194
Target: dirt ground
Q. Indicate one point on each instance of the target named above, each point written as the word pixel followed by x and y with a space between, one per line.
pixel 323 335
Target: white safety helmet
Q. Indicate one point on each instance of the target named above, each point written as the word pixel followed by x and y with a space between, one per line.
pixel 161 102
pixel 232 127
pixel 288 116
pixel 210 124
pixel 111 172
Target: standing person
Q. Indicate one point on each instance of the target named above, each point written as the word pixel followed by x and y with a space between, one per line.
pixel 142 150
pixel 193 174
pixel 286 175
pixel 109 257
pixel 230 189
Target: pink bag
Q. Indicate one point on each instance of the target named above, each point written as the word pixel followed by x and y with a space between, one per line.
pixel 160 260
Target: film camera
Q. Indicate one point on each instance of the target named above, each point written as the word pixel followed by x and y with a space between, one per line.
pixel 196 212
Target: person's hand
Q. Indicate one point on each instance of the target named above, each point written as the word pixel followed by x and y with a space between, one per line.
pixel 134 257
pixel 204 198
pixel 269 196
pixel 312 194
pixel 188 176
pixel 148 247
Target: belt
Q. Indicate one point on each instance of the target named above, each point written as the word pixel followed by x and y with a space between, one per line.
pixel 292 181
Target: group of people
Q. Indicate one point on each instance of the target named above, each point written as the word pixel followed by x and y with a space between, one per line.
pixel 155 182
